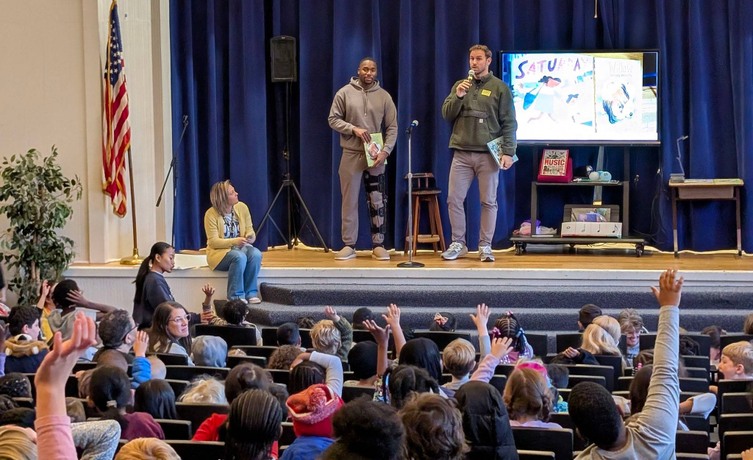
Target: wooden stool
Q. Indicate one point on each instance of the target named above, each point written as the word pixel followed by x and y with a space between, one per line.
pixel 425 193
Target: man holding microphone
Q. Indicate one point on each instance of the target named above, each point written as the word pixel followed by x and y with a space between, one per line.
pixel 481 109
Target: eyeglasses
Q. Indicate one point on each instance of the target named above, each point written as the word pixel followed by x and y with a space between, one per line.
pixel 180 319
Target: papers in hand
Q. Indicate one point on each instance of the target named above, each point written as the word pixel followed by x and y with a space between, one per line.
pixel 495 148
pixel 372 149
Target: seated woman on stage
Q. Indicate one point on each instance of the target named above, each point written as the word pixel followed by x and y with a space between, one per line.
pixel 230 236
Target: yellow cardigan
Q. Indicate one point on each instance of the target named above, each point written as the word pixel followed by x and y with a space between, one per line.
pixel 214 225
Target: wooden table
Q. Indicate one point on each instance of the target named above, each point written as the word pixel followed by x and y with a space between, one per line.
pixel 706 189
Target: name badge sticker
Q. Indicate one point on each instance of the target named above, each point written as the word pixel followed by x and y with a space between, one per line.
pixel 486 92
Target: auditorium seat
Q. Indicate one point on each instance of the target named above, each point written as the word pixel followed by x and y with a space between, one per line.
pixel 196 413
pixel 232 335
pixel 692 442
pixel 206 450
pixel 175 429
pixel 191 372
pixel 559 441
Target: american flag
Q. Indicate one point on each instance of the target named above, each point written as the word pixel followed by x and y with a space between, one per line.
pixel 116 135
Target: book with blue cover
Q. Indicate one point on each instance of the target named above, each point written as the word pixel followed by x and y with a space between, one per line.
pixel 495 148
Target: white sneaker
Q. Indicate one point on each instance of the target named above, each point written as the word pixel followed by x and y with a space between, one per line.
pixel 485 254
pixel 379 253
pixel 456 249
pixel 346 253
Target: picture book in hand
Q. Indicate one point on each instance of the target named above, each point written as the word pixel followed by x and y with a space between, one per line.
pixel 372 149
pixel 495 148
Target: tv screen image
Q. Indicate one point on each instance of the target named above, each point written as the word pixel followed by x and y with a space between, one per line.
pixel 606 97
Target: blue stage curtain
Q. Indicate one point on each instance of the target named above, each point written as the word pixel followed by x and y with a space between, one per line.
pixel 220 54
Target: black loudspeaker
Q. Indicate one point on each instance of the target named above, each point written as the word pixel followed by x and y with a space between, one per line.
pixel 284 66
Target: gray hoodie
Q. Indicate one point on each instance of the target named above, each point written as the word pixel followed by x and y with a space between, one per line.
pixel 371 109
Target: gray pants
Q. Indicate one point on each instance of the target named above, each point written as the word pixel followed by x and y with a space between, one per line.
pixel 353 169
pixel 465 166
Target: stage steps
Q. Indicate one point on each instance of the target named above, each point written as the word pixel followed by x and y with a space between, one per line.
pixel 550 309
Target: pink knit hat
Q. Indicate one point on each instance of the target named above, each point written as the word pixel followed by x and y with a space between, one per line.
pixel 312 410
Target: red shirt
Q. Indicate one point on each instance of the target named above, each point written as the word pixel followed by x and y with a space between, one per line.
pixel 209 430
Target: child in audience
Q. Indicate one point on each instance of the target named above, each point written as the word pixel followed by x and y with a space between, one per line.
pixel 444 322
pixel 485 422
pixel 312 411
pixel 233 313
pixel 366 429
pixel 423 353
pixel 209 350
pixel 559 377
pixel 156 398
pixel 363 362
pixel 331 365
pixel 169 332
pixel 75 410
pixel 288 334
pixel 24 351
pixel 204 389
pixel 459 359
pixel 147 449
pixel 509 326
pixel 283 357
pixel 333 335
pixel 15 385
pixel 243 377
pixel 360 315
pixel 736 362
pixel 601 337
pixel 631 325
pixel 433 429
pixel 586 315
pixel 528 399
pixel 117 331
pixel 141 369
pixel 652 433
pixel 403 382
pixel 715 352
pixel 110 391
pixel 67 296
pixel 159 371
pixel 253 426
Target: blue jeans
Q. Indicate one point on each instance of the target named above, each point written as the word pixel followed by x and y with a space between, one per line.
pixel 242 267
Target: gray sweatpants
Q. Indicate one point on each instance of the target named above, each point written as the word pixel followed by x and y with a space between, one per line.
pixel 353 169
pixel 465 166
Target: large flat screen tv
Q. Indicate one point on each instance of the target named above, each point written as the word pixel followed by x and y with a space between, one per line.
pixel 584 97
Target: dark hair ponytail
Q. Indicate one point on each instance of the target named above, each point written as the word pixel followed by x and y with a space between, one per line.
pixel 110 390
pixel 158 248
pixel 509 326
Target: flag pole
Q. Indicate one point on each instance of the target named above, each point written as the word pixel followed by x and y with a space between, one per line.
pixel 135 258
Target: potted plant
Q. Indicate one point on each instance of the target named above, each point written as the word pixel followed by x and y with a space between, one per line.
pixel 36 198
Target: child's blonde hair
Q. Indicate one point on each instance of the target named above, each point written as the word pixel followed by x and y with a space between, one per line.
pixel 205 390
pixel 325 337
pixel 459 358
pixel 602 336
pixel 527 394
pixel 740 353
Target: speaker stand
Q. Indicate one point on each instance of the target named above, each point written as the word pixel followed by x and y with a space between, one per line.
pixel 291 239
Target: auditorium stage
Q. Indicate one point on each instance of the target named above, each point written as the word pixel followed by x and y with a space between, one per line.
pixel 597 268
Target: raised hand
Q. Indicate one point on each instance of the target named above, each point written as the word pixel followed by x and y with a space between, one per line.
pixel 331 314
pixel 208 290
pixel 670 288
pixel 501 347
pixel 393 316
pixel 481 318
pixel 58 364
pixel 381 334
pixel 141 344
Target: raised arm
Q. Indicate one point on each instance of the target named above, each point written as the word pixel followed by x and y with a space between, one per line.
pixel 332 366
pixel 393 320
pixel 78 298
pixel 382 337
pixel 345 329
pixel 481 320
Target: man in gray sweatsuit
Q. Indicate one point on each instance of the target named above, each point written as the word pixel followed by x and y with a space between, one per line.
pixel 359 109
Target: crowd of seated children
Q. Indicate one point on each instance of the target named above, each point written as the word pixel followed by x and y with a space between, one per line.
pixel 147 449
pixel 283 357
pixel 333 335
pixel 528 399
pixel 311 411
pixel 433 429
pixel 204 389
pixel 156 398
pixel 486 423
pixel 715 333
pixel 631 325
pixel 363 363
pixel 233 313
pixel 652 433
pixel 253 426
pixel 170 332
pixel 110 392
pixel 586 315
pixel 366 429
pixel 23 350
pixel 242 377
pixel 209 350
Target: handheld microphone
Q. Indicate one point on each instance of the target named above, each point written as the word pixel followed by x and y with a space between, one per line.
pixel 471 75
pixel 413 124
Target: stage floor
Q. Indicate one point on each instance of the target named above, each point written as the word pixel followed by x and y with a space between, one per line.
pixel 590 267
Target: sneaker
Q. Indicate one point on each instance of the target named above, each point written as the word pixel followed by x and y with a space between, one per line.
pixel 379 253
pixel 254 300
pixel 455 250
pixel 346 253
pixel 485 254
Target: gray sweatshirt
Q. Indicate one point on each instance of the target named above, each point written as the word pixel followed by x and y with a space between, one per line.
pixel 371 109
pixel 652 433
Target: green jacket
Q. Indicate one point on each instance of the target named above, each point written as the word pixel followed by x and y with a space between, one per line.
pixel 484 113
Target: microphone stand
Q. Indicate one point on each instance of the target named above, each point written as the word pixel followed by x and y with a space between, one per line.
pixel 410 263
pixel 167 176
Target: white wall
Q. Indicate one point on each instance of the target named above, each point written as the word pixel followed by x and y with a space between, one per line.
pixel 50 93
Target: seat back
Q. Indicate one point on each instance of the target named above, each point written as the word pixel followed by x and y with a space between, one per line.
pixel 205 450
pixel 725 340
pixel 735 403
pixel 696 423
pixel 623 384
pixel 587 369
pixel 731 422
pixel 233 361
pixel 734 442
pixel 196 413
pixel 351 393
pixel 281 376
pixel 563 419
pixel 233 335
pixel 257 350
pixel 692 442
pixel 576 379
pixel 557 440
pixel 615 362
pixel 697 373
pixel 524 454
pixel 442 338
pixel 498 382
pixel 567 340
pixel 178 386
pixel 175 429
pixel 191 372
pixel 504 369
pixel 360 335
pixel 696 361
pixel 171 359
pixel 288 435
pixel 269 336
pixel 694 385
pixel 539 343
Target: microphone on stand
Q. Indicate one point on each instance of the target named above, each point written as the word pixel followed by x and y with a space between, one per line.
pixel 413 124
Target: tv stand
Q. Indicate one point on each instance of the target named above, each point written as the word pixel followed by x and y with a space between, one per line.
pixel 521 242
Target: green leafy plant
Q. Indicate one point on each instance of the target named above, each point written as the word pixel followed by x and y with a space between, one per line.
pixel 36 198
